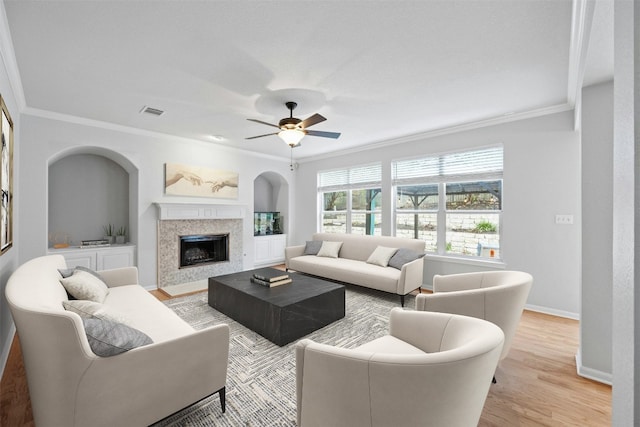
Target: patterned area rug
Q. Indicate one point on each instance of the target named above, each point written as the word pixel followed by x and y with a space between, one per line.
pixel 261 383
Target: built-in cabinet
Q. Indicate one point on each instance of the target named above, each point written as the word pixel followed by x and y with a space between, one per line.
pixel 104 258
pixel 269 250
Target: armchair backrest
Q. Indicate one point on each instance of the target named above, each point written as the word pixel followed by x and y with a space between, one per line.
pixel 444 385
pixel 496 296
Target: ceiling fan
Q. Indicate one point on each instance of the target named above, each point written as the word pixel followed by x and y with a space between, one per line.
pixel 292 129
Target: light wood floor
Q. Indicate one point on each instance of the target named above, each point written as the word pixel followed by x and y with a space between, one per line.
pixel 537 382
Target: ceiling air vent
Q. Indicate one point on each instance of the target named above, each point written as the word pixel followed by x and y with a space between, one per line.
pixel 152 111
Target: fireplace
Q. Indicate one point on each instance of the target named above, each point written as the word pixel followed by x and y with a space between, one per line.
pixel 200 249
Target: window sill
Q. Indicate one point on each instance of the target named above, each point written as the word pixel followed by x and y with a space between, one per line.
pixel 482 262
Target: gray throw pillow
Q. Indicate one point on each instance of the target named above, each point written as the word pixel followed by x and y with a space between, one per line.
pixel 69 271
pixel 403 256
pixel 108 338
pixel 312 247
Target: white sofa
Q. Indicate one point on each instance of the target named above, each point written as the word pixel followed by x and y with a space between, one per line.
pixel 432 369
pixel 69 385
pixel 351 264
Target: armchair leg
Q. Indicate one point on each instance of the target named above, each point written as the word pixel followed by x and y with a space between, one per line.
pixel 223 403
pixel 493 381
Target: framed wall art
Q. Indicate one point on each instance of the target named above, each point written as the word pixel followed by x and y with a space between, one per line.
pixel 6 179
pixel 184 180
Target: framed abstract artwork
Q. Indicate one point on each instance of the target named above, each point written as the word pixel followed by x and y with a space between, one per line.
pixel 184 180
pixel 6 179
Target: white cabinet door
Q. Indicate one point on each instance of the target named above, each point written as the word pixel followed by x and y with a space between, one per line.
pixel 115 258
pixel 269 250
pixel 81 258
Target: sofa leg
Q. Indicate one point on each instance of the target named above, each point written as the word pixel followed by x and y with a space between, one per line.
pixel 494 380
pixel 222 393
pixel 402 300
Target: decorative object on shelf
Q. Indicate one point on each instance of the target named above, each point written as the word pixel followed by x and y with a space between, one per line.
pixel 121 235
pixel 266 223
pixel 6 179
pixel 59 240
pixel 94 243
pixel 109 233
pixel 184 180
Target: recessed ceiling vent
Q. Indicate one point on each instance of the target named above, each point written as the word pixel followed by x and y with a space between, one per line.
pixel 152 111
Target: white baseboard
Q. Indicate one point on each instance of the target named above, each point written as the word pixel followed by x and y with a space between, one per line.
pixel 6 348
pixel 552 311
pixel 592 374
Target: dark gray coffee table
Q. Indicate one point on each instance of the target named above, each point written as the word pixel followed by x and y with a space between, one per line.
pixel 281 314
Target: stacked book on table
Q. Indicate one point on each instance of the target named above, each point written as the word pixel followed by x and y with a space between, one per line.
pixel 270 278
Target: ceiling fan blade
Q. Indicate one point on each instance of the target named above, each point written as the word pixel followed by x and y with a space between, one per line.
pixel 323 134
pixel 310 121
pixel 264 123
pixel 260 136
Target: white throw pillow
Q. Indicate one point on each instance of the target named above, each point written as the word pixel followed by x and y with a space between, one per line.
pixel 330 249
pixel 381 256
pixel 90 309
pixel 83 285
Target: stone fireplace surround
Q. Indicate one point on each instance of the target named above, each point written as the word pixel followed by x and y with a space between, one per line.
pixel 181 219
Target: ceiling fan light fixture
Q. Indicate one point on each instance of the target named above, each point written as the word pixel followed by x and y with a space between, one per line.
pixel 291 137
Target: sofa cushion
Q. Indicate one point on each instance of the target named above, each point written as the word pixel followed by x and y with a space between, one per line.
pixel 330 249
pixel 312 247
pixel 403 256
pixel 89 309
pixel 381 255
pixel 85 286
pixel 107 338
pixel 66 272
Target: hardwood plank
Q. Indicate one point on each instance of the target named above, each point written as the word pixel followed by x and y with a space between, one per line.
pixel 537 382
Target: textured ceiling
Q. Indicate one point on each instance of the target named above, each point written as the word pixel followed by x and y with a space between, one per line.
pixel 377 70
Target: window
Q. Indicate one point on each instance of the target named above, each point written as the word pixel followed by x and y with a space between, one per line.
pixel 351 200
pixel 452 201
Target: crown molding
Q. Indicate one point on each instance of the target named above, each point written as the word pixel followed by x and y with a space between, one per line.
pixel 560 108
pixel 9 58
pixel 68 118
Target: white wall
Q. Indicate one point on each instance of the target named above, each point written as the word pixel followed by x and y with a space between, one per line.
pixel 9 260
pixel 43 139
pixel 594 356
pixel 541 179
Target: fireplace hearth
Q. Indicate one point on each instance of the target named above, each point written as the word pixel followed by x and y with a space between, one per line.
pixel 197 250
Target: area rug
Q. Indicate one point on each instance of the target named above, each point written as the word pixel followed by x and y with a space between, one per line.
pixel 261 383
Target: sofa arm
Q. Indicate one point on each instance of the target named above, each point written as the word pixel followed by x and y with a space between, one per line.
pixel 120 276
pixel 326 378
pixel 292 252
pixel 411 276
pixel 161 378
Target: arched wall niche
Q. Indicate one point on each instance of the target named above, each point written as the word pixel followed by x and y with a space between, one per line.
pixel 271 193
pixel 88 188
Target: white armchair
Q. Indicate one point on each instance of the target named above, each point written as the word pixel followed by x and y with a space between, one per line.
pixel 496 296
pixel 433 369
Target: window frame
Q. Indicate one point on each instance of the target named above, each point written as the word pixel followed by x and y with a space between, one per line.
pixel 441 179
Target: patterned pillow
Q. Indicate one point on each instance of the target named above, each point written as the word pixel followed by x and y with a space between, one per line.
pixel 403 256
pixel 90 309
pixel 330 249
pixel 108 338
pixel 381 256
pixel 312 247
pixel 83 285
pixel 69 271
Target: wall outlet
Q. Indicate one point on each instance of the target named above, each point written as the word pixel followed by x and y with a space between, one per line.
pixel 564 219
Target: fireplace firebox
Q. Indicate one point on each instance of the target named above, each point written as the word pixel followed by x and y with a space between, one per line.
pixel 201 249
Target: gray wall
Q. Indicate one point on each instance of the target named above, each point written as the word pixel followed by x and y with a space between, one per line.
pixel 626 215
pixel 86 192
pixel 597 231
pixel 9 260
pixel 541 179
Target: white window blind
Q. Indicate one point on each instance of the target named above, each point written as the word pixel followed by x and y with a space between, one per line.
pixel 468 164
pixel 355 177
